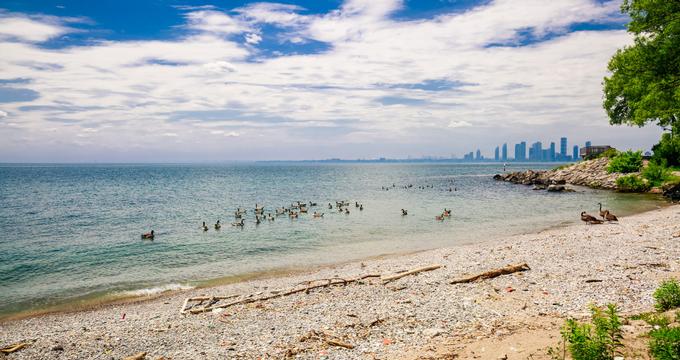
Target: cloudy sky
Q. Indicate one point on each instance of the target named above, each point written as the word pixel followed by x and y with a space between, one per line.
pixel 170 80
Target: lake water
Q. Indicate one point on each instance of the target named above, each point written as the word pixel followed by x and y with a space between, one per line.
pixel 71 233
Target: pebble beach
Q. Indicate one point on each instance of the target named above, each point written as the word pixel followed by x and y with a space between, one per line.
pixel 420 316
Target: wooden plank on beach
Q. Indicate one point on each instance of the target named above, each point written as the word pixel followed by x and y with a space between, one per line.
pixel 493 273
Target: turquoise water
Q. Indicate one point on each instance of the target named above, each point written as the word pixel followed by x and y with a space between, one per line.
pixel 71 232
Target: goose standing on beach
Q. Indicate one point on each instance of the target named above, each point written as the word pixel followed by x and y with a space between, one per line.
pixel 590 219
pixel 609 216
pixel 602 212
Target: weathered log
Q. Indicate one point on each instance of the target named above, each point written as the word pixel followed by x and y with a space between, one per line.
pixel 138 356
pixel 12 348
pixel 493 273
pixel 388 278
pixel 339 343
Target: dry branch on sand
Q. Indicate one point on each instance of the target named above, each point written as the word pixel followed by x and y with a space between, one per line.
pixel 493 273
pixel 201 304
pixel 12 348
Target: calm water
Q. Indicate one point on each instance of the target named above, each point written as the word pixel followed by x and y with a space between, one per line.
pixel 72 232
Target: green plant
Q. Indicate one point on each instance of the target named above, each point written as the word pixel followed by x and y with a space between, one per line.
pixel 563 166
pixel 657 173
pixel 600 340
pixel 625 162
pixel 632 183
pixel 609 153
pixel 665 343
pixel 668 149
pixel 667 295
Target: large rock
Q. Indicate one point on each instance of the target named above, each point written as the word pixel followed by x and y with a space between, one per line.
pixel 672 191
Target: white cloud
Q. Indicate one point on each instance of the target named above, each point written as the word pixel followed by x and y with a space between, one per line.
pixel 23 28
pixel 200 84
pixel 253 38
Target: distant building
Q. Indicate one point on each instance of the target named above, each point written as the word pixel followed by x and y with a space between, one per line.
pixel 504 153
pixel 551 152
pixel 588 144
pixel 575 155
pixel 536 151
pixel 521 151
pixel 590 151
pixel 469 156
pixel 479 155
pixel 496 155
pixel 563 148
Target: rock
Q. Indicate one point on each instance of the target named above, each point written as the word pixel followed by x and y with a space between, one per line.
pixel 539 187
pixel 672 191
pixel 556 188
pixel 498 177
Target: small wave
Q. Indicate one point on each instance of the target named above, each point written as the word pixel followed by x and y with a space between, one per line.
pixel 156 290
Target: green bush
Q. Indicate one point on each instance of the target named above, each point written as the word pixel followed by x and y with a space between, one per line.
pixel 657 173
pixel 667 296
pixel 668 149
pixel 632 183
pixel 599 341
pixel 626 162
pixel 665 343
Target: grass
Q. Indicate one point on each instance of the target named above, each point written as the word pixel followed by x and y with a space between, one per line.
pixel 667 295
pixel 664 343
pixel 600 340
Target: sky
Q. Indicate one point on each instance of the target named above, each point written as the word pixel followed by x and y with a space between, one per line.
pixel 197 81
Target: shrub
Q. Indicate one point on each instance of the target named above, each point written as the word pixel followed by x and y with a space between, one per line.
pixel 668 150
pixel 632 183
pixel 599 341
pixel 667 296
pixel 657 173
pixel 665 343
pixel 626 162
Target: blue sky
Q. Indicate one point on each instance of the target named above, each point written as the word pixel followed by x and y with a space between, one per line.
pixel 237 80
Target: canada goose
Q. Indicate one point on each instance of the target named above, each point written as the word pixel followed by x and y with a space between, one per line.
pixel 237 215
pixel 318 215
pixel 303 210
pixel 346 211
pixel 312 204
pixel 361 207
pixel 602 212
pixel 330 206
pixel 356 204
pixel 446 213
pixel 218 225
pixel 240 211
pixel 589 219
pixel 609 216
pixel 150 235
pixel 257 220
pixel 439 217
pixel 404 212
pixel 204 227
pixel 293 214
pixel 238 223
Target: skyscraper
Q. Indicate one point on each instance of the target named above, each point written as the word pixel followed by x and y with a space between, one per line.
pixel 575 155
pixel 479 155
pixel 495 154
pixel 504 156
pixel 588 144
pixel 563 148
pixel 551 152
pixel 536 151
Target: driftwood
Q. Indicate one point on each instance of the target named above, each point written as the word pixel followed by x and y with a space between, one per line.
pixel 201 304
pixel 493 273
pixel 386 279
pixel 138 356
pixel 12 348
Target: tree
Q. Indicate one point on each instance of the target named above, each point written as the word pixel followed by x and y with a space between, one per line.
pixel 645 83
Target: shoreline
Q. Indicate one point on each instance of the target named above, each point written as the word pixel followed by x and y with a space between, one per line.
pixel 96 302
pixel 628 259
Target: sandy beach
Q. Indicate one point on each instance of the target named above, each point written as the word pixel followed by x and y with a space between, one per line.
pixel 421 316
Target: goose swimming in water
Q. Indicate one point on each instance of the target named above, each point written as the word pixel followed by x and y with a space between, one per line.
pixel 149 236
pixel 330 206
pixel 346 211
pixel 238 223
pixel 404 212
pixel 318 215
pixel 218 225
pixel 446 213
pixel 609 216
pixel 361 207
pixel 204 227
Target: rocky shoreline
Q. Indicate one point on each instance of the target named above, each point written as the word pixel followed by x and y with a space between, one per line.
pixel 421 316
pixel 591 173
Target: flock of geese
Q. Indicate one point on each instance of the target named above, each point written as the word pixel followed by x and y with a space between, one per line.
pixel 292 212
pixel 421 187
pixel 605 214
